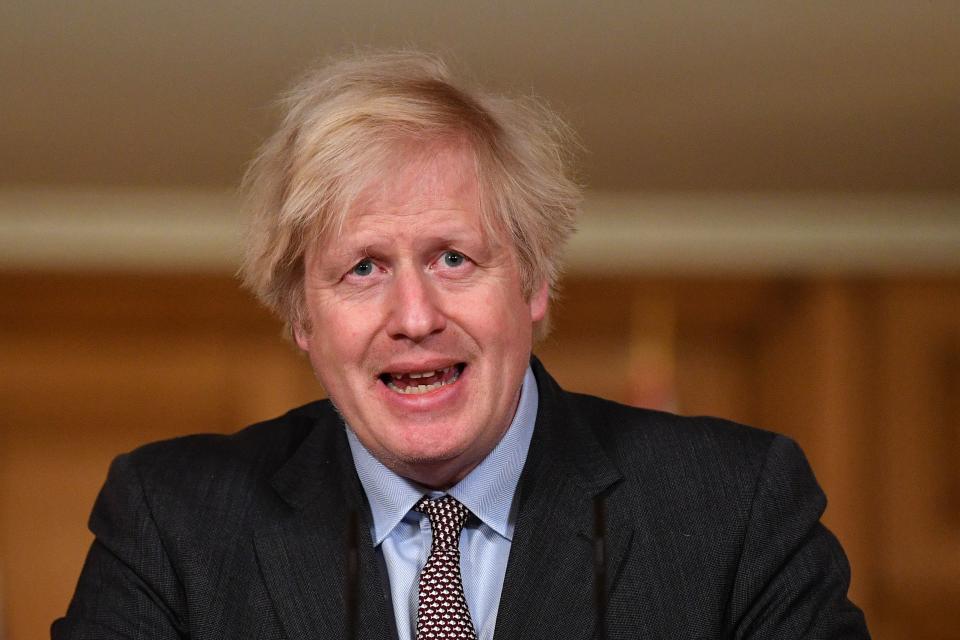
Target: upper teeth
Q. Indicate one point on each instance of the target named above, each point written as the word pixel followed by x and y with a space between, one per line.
pixel 423 388
pixel 422 374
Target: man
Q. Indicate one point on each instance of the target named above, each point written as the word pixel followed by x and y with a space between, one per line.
pixel 408 232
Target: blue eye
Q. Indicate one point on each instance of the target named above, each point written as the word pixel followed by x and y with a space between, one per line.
pixel 363 268
pixel 453 258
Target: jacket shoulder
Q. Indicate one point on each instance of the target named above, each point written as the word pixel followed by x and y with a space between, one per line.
pixel 197 476
pixel 681 454
pixel 261 445
pixel 618 426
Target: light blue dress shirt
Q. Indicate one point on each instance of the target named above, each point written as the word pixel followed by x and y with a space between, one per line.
pixel 404 535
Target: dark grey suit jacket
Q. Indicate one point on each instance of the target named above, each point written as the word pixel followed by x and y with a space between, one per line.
pixel 712 532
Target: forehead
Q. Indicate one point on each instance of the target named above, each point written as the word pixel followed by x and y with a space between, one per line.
pixel 426 192
pixel 444 174
pixel 438 187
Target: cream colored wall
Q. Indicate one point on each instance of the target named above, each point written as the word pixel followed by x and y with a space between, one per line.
pixel 178 230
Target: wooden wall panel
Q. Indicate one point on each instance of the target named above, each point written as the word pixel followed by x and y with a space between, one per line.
pixel 865 374
pixel 93 367
pixel 919 536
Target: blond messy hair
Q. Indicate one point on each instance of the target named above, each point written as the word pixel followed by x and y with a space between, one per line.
pixel 347 122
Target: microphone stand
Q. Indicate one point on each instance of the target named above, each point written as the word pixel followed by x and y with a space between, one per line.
pixel 600 566
pixel 352 582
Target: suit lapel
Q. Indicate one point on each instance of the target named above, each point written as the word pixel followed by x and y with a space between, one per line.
pixel 303 550
pixel 548 587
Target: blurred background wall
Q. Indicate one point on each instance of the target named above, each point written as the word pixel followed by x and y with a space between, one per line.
pixel 771 233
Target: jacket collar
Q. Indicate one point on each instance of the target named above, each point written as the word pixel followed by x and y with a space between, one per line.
pixel 312 548
pixel 548 588
pixel 323 459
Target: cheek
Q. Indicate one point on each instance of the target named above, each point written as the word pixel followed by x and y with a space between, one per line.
pixel 339 349
pixel 502 319
pixel 344 345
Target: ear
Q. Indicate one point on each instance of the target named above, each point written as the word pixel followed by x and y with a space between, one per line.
pixel 539 300
pixel 301 336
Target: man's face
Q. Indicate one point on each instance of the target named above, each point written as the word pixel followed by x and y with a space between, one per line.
pixel 419 329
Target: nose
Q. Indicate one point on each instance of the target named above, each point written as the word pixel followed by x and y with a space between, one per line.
pixel 414 306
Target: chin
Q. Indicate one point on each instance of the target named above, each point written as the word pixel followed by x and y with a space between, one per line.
pixel 433 452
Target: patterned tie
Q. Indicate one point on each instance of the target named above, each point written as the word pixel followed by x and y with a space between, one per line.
pixel 442 613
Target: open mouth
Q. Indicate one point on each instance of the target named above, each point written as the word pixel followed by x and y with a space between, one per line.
pixel 420 382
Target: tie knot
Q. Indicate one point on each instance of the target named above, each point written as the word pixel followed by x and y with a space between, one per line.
pixel 447 517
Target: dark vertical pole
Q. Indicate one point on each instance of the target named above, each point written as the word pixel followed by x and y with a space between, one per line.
pixel 352 586
pixel 600 566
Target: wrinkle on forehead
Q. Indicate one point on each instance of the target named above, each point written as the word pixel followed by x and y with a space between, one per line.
pixel 431 178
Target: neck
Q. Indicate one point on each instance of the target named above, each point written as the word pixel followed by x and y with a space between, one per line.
pixel 436 476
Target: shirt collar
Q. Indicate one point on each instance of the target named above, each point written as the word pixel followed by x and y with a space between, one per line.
pixel 487 490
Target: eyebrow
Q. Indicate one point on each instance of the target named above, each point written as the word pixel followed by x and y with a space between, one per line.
pixel 372 241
